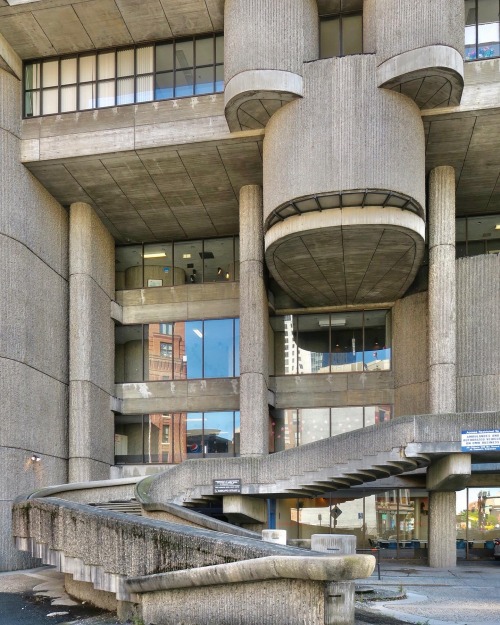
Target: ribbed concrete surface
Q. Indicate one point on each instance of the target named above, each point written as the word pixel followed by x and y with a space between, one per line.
pixel 33 313
pixel 404 25
pixel 478 338
pixel 366 138
pixel 269 34
pixel 442 520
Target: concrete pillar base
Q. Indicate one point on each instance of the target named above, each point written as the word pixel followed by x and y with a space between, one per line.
pixel 442 536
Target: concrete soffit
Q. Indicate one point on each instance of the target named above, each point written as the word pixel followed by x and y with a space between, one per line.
pixel 9 61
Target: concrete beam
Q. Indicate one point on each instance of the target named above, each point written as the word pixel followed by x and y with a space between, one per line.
pixel 244 509
pixel 449 473
pixel 9 61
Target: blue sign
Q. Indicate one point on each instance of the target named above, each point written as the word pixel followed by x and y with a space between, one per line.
pixel 480 440
pixel 166 269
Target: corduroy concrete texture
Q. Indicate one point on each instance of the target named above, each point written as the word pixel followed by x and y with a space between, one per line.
pixel 442 519
pixel 404 25
pixel 442 291
pixel 33 310
pixel 91 339
pixel 478 339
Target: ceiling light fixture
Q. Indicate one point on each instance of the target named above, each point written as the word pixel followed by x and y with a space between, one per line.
pixel 155 255
pixel 198 333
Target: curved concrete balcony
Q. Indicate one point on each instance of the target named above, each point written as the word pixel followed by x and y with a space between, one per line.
pixel 350 255
pixel 431 76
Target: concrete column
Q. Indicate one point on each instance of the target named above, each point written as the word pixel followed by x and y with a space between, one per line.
pixel 442 291
pixel 254 414
pixel 91 346
pixel 442 534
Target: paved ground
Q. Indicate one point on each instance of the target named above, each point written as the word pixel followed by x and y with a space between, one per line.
pixel 466 595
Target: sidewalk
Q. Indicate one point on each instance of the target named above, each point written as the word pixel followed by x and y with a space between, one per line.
pixel 466 595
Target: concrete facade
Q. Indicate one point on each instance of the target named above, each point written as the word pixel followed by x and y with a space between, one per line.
pixel 336 181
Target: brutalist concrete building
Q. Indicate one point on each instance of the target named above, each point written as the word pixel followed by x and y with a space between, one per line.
pixel 250 249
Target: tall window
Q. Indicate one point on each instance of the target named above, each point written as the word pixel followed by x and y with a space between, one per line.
pixel 142 73
pixel 478 235
pixel 340 35
pixel 482 29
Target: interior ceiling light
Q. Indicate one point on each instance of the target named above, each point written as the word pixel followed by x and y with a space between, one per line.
pixel 155 255
pixel 497 227
pixel 186 256
pixel 198 333
pixel 325 323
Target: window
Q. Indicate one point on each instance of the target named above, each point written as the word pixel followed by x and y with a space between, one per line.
pixel 142 73
pixel 332 343
pixel 173 438
pixel 477 235
pixel 482 29
pixel 175 263
pixel 341 35
pixel 194 350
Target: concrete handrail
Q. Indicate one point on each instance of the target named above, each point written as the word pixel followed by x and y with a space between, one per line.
pixel 318 568
pixel 57 489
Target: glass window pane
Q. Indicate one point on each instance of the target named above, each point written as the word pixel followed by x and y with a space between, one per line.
pixel 128 267
pixel 314 343
pixel 194 348
pixel 129 362
pixel 470 12
pixel 165 57
pixel 68 99
pixel 377 341
pixel 106 65
pixel 219 78
pixel 205 51
pixel 184 54
pixel 218 260
pixel 236 347
pixel 284 424
pixel 164 87
pixel 218 348
pixel 125 62
pixel 184 83
pixel 377 414
pixel 125 91
pixel 144 59
pixel 194 435
pixel 87 68
pixel 68 71
pixel 314 424
pixel 219 49
pixel 460 229
pixel 285 346
pixel 152 434
pixel 32 76
pixel 50 73
pixel 488 11
pixel 106 93
pixel 329 36
pixel 144 88
pixel 50 101
pixel 160 354
pixel 346 419
pixel 347 342
pixel 128 439
pixel 158 270
pixel 352 34
pixel 218 434
pixel 32 103
pixel 188 259
pixel 87 96
pixel 204 80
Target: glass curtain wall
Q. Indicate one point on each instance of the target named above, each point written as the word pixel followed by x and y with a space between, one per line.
pixel 477 235
pixel 174 437
pixel 178 350
pixel 173 264
pixel 143 73
pixel 332 343
pixel 478 522
pixel 482 29
pixel 297 426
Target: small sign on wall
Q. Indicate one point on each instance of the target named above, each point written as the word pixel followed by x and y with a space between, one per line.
pixel 480 440
pixel 227 487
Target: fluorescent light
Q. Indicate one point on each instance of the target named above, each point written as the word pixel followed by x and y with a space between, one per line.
pixel 325 323
pixel 186 256
pixel 155 255
pixel 497 227
pixel 198 333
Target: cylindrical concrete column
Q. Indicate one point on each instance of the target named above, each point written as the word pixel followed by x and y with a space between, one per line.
pixel 442 536
pixel 254 413
pixel 442 291
pixel 91 345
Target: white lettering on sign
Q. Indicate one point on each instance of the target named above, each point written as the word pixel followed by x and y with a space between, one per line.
pixel 480 440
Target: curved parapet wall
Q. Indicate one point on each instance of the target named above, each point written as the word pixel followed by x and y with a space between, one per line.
pixel 346 224
pixel 419 49
pixel 266 43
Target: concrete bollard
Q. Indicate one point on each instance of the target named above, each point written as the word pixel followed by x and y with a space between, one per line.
pixel 274 536
pixel 334 544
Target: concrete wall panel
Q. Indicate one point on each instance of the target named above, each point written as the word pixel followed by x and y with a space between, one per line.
pixel 368 150
pixel 410 355
pixel 404 25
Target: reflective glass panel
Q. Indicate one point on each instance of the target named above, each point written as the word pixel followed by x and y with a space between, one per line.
pixel 236 347
pixel 219 49
pixel 194 435
pixel 158 268
pixel 164 87
pixel 377 414
pixel 346 342
pixel 377 347
pixel 218 348
pixel 346 419
pixel 184 54
pixel 194 348
pixel 218 265
pixel 106 65
pixel 125 62
pixel 32 103
pixel 129 439
pixel 219 78
pixel 106 93
pixel 352 34
pixel 87 68
pixel 285 426
pixel 188 256
pixel 184 83
pixel 50 73
pixel 313 343
pixel 129 354
pixel 32 76
pixel 125 91
pixel 128 267
pixel 204 80
pixel 314 424
pixel 329 38
pixel 152 433
pixel 144 85
pixel 144 60
pixel 218 434
pixel 204 51
pixel 161 354
pixel 68 99
pixel 86 96
pixel 165 57
pixel 50 101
